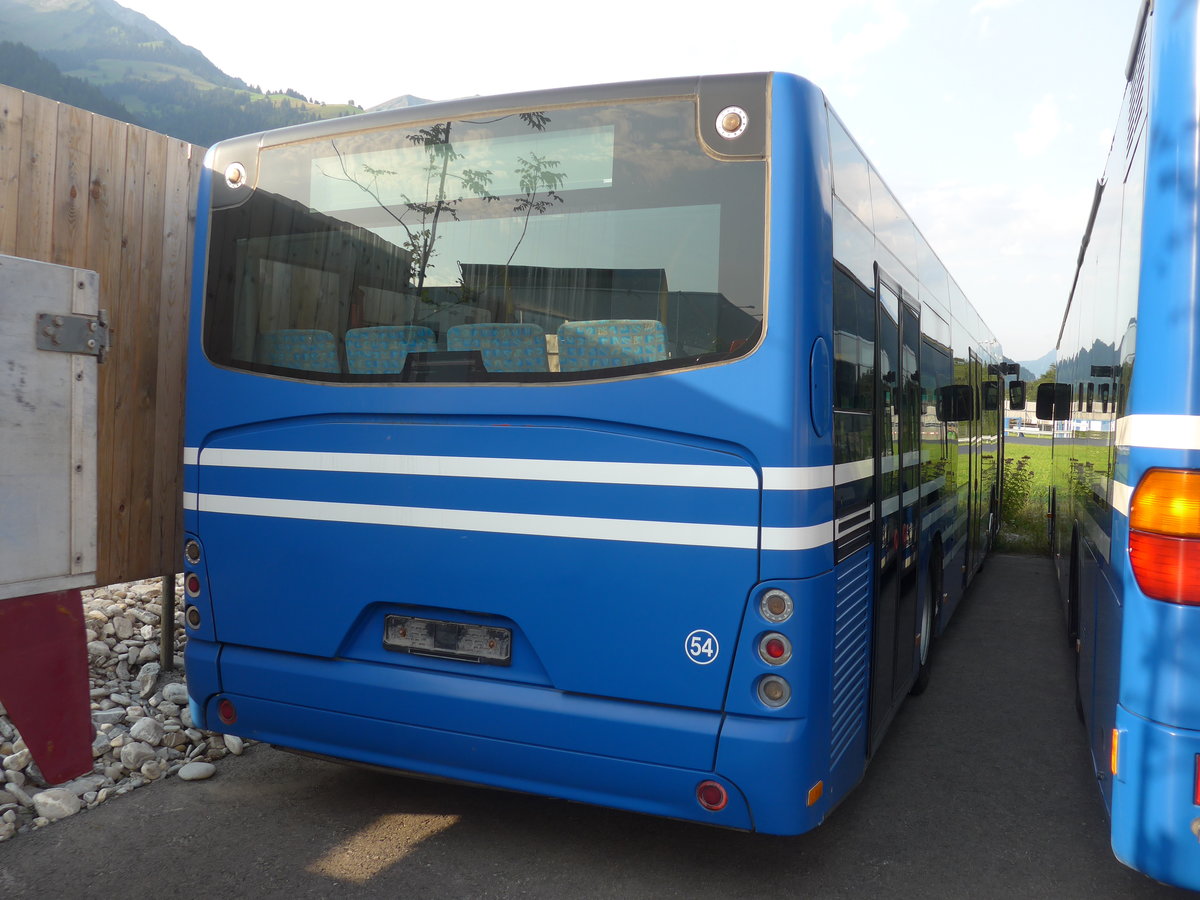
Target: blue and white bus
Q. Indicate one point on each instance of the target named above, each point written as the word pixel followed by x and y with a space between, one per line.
pixel 1125 496
pixel 625 444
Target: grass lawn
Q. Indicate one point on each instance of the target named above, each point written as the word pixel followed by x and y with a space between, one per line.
pixel 1023 515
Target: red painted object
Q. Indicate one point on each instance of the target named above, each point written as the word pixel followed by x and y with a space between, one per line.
pixel 44 680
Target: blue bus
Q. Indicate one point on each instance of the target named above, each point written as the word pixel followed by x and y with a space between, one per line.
pixel 1125 494
pixel 626 444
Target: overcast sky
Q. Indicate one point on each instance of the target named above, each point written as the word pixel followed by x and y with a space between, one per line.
pixel 990 119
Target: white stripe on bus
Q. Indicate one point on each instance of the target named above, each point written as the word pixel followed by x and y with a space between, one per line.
pixel 1166 432
pixel 775 478
pixel 695 534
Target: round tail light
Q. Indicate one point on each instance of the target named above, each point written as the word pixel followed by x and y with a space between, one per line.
pixel 226 711
pixel 711 795
pixel 192 617
pixel 774 648
pixel 191 584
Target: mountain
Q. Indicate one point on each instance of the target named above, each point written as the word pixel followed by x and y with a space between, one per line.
pixel 1033 369
pixel 404 101
pixel 153 79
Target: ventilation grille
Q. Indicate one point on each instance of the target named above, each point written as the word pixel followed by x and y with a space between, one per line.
pixel 851 651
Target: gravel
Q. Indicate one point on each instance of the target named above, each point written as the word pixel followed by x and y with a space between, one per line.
pixel 143 730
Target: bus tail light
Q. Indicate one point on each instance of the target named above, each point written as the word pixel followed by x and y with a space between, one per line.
pixel 226 711
pixel 774 691
pixel 191 584
pixel 774 648
pixel 1164 535
pixel 711 795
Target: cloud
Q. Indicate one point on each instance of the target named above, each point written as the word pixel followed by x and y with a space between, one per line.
pixel 1045 125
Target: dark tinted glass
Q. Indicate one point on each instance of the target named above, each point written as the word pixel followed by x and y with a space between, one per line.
pixel 547 245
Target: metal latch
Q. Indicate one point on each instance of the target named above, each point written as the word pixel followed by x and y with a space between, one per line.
pixel 74 334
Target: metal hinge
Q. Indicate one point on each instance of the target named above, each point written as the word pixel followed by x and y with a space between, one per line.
pixel 74 334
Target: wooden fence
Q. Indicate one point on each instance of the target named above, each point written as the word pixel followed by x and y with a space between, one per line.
pixel 83 190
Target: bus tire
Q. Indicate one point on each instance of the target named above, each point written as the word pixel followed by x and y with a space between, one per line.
pixel 929 606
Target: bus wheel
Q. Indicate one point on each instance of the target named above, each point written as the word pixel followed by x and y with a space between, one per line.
pixel 932 591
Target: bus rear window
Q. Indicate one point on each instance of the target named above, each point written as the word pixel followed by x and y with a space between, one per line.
pixel 555 245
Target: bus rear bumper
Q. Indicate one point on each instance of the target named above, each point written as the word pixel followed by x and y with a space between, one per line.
pixel 316 706
pixel 1155 817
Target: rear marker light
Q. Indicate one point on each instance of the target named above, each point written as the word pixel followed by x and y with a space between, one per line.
pixel 776 606
pixel 774 691
pixel 816 792
pixel 191 552
pixel 774 648
pixel 226 712
pixel 192 617
pixel 191 584
pixel 711 795
pixel 1116 750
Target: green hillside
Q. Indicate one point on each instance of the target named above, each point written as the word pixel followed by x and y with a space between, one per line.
pixel 138 72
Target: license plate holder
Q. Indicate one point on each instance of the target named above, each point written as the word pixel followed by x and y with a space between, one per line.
pixel 442 639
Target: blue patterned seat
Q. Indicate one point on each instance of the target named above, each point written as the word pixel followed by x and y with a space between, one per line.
pixel 381 350
pixel 610 343
pixel 308 349
pixel 505 347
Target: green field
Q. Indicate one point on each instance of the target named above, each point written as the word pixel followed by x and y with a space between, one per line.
pixel 1023 515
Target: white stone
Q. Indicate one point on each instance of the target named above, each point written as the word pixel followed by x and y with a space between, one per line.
pixel 19 792
pixel 175 692
pixel 234 744
pixel 18 760
pixel 56 803
pixel 108 716
pixel 122 627
pixel 84 784
pixel 197 771
pixel 16 777
pixel 7 830
pixel 134 755
pixel 154 769
pixel 148 678
pixel 169 709
pixel 147 653
pixel 97 649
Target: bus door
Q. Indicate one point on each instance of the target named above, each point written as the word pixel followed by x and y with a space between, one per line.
pixel 897 504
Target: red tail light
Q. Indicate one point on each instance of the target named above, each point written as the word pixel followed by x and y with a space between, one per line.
pixel 227 712
pixel 1164 535
pixel 711 795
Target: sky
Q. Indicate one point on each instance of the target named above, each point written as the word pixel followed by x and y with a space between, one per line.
pixel 989 119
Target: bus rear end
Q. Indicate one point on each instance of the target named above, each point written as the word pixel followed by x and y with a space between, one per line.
pixel 493 471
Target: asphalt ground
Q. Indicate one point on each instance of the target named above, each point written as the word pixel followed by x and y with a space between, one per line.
pixel 982 789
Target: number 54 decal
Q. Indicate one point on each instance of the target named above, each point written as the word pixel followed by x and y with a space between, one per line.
pixel 701 647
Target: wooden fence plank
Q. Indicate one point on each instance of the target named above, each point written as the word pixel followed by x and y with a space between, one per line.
pixel 115 565
pixel 172 354
pixel 68 229
pixel 12 102
pixel 106 196
pixel 147 316
pixel 35 204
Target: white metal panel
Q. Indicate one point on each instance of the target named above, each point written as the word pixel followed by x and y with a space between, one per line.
pixel 47 434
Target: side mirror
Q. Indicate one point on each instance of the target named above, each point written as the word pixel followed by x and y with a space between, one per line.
pixel 954 403
pixel 1016 395
pixel 1054 402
